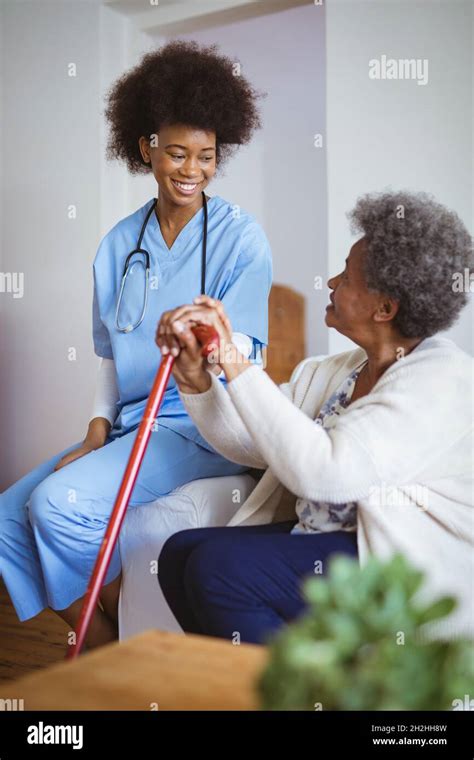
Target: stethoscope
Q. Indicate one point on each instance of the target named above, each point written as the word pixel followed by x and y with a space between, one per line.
pixel 142 251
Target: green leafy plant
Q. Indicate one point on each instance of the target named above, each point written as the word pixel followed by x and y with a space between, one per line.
pixel 361 645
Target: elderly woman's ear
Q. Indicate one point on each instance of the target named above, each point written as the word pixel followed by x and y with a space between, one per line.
pixel 387 310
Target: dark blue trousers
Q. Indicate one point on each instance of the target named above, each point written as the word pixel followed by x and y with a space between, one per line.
pixel 243 583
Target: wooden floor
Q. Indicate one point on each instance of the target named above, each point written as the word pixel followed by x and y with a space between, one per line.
pixel 31 645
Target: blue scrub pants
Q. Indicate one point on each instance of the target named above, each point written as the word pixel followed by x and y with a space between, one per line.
pixel 243 580
pixel 52 523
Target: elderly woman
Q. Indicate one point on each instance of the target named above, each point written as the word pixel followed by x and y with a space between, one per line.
pixel 373 446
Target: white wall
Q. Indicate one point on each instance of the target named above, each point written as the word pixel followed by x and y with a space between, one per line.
pixel 50 160
pixel 398 133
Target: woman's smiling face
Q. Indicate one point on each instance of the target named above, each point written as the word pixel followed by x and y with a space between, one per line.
pixel 183 161
pixel 354 310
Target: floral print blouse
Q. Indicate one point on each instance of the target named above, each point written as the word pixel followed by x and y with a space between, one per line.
pixel 321 516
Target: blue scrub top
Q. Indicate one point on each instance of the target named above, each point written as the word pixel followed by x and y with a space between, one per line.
pixel 238 273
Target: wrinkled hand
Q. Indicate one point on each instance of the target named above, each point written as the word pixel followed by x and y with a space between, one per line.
pixel 174 336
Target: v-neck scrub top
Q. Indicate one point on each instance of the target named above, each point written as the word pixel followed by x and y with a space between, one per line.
pixel 238 273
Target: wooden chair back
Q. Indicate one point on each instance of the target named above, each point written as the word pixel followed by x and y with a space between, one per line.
pixel 286 344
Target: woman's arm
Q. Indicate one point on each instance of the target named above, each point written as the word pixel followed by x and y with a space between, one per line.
pixel 106 392
pixel 209 405
pixel 311 462
pixel 215 416
pixel 104 410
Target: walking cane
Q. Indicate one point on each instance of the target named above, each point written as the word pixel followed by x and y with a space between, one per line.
pixel 208 337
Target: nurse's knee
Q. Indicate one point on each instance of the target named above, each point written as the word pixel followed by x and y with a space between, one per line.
pixel 44 500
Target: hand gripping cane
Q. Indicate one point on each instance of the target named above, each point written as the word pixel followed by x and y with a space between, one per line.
pixel 208 338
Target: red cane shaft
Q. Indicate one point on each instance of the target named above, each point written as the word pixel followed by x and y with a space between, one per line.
pixel 104 556
pixel 208 337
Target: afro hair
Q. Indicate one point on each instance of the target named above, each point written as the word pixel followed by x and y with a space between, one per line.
pixel 180 83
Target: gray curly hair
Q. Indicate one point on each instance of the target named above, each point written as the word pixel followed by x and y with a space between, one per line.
pixel 415 246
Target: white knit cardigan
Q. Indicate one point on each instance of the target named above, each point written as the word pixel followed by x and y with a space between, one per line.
pixel 404 452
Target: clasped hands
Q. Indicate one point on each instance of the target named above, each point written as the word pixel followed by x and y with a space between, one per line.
pixel 174 336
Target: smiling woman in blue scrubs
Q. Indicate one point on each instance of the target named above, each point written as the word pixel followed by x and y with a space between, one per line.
pixel 178 114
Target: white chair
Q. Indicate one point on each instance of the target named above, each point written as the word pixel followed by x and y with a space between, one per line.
pixel 201 503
